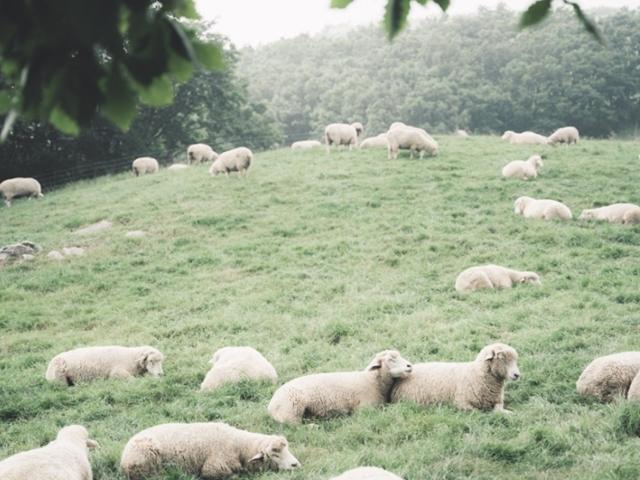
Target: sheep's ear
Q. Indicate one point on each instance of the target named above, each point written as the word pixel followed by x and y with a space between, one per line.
pixel 142 359
pixel 375 364
pixel 278 444
pixel 257 457
pixel 91 444
pixel 491 355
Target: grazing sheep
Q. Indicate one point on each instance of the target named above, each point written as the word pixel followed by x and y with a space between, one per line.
pixel 461 134
pixel 493 276
pixel 625 213
pixel 411 138
pixel 379 141
pixel 235 160
pixel 367 473
pixel 20 187
pixel 200 152
pixel 206 450
pixel 566 135
pixel 177 167
pixel 542 209
pixel 144 165
pixel 470 385
pixel 523 169
pixel 90 363
pixel 233 364
pixel 65 458
pixel 325 394
pixel 609 377
pixel 524 138
pixel 342 134
pixel 305 144
pixel 421 130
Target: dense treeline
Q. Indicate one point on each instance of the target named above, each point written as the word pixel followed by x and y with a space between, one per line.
pixel 475 72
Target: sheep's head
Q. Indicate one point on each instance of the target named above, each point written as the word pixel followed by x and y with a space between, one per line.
pixel 276 455
pixel 586 215
pixel 536 161
pixel 508 134
pixel 520 204
pixel 530 277
pixel 150 361
pixel 632 216
pixel 391 360
pixel 215 169
pixel 76 434
pixel 500 360
pixel 359 128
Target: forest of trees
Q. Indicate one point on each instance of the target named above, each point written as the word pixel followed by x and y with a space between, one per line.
pixel 475 72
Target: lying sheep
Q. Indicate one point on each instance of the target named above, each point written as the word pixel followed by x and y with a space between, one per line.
pixel 524 138
pixel 411 138
pixel 379 141
pixel 542 209
pixel 206 450
pixel 90 363
pixel 523 169
pixel 461 134
pixel 470 385
pixel 65 458
pixel 625 213
pixel 232 364
pixel 493 276
pixel 325 394
pixel 609 377
pixel 20 187
pixel 305 144
pixel 235 160
pixel 367 473
pixel 566 135
pixel 144 165
pixel 199 153
pixel 342 134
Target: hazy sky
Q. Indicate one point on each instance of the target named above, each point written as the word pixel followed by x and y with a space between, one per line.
pixel 253 22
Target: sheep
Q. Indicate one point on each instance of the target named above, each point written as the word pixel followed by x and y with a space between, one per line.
pixel 625 213
pixel 566 135
pixel 367 473
pixel 235 160
pixel 20 187
pixel 305 144
pixel 17 250
pixel 421 130
pixel 325 394
pixel 461 134
pixel 65 458
pixel 493 276
pixel 468 385
pixel 144 165
pixel 342 134
pixel 412 138
pixel 523 169
pixel 90 363
pixel 199 153
pixel 232 364
pixel 207 450
pixel 524 138
pixel 609 377
pixel 379 141
pixel 542 209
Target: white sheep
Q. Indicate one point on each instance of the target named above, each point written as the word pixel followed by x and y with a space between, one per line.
pixel 461 134
pixel 20 187
pixel 65 458
pixel 200 152
pixel 367 473
pixel 411 138
pixel 566 135
pixel 402 125
pixel 541 209
pixel 379 141
pixel 342 134
pixel 144 165
pixel 524 138
pixel 625 213
pixel 523 169
pixel 233 364
pixel 90 363
pixel 467 385
pixel 325 394
pixel 305 144
pixel 493 276
pixel 207 450
pixel 235 160
pixel 609 377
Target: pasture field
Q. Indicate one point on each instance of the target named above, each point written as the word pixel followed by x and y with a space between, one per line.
pixel 319 262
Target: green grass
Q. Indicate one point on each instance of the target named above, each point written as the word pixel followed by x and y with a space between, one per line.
pixel 319 262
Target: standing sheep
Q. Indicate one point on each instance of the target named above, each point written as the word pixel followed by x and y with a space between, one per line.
pixel 325 394
pixel 199 153
pixel 493 276
pixel 207 450
pixel 20 187
pixel 524 138
pixel 91 363
pixel 470 385
pixel 233 364
pixel 367 473
pixel 379 141
pixel 65 458
pixel 566 135
pixel 609 377
pixel 541 209
pixel 144 165
pixel 625 213
pixel 523 169
pixel 235 160
pixel 411 138
pixel 305 144
pixel 342 134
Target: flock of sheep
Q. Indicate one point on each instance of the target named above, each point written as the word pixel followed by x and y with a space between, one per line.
pixel 217 450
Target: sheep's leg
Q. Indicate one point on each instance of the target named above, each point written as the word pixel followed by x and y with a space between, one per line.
pixel 7 202
pixel 119 372
pixel 499 408
pixel 216 467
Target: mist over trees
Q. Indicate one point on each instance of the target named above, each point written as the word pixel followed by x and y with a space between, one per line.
pixel 476 72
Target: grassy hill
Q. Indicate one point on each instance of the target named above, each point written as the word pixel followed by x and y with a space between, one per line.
pixel 319 262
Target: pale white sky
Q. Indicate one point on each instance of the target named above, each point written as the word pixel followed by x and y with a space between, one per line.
pixel 255 22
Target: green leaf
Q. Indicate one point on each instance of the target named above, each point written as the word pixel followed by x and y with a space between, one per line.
pixel 209 54
pixel 63 122
pixel 340 3
pixel 6 100
pixel 186 9
pixel 535 13
pixel 395 16
pixel 159 93
pixel 120 100
pixel 586 21
pixel 180 68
